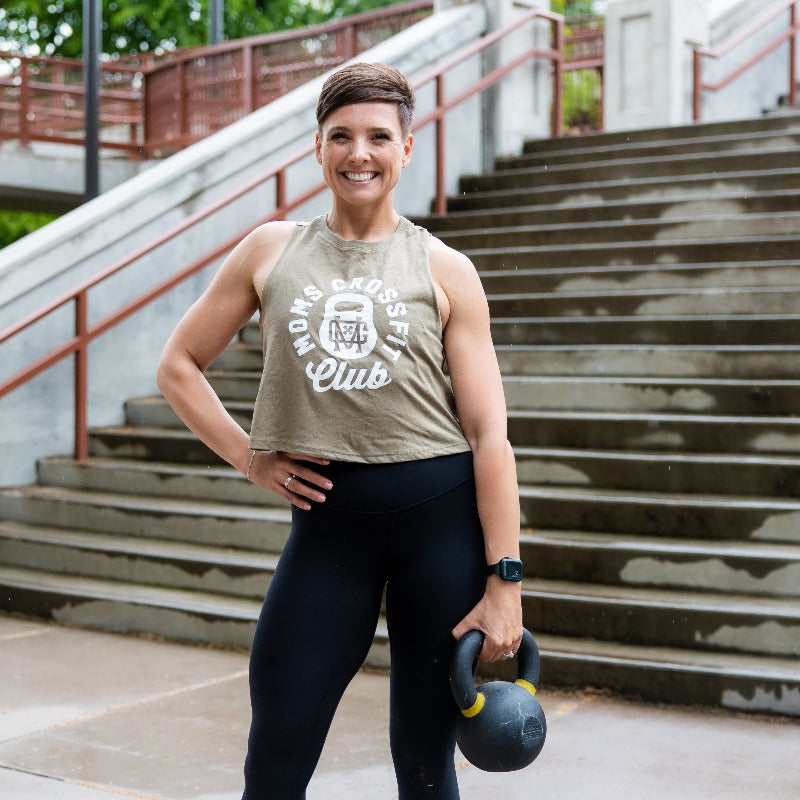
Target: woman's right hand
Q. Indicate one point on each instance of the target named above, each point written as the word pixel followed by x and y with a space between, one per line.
pixel 287 475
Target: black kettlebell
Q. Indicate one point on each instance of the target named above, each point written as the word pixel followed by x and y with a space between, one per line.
pixel 501 726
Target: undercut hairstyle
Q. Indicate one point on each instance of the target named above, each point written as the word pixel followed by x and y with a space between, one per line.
pixel 367 83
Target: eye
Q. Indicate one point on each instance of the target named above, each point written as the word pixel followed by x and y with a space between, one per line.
pixel 338 137
pixel 382 137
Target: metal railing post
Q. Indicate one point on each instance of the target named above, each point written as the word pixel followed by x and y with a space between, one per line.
pixel 793 56
pixel 280 191
pixel 81 378
pixel 557 43
pixel 24 103
pixel 697 66
pixel 440 203
pixel 248 80
pixel 183 105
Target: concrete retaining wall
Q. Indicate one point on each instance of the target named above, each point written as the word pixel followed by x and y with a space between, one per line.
pixel 649 65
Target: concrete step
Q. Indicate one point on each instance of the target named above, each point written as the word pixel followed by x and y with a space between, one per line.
pixel 631 253
pixel 725 396
pixel 193 521
pixel 788 138
pixel 626 302
pixel 674 516
pixel 708 473
pixel 172 446
pixel 754 361
pixel 155 412
pixel 671 472
pixel 703 187
pixel 650 329
pixel 672 228
pixel 633 168
pixel 705 433
pixel 134 559
pixel 646 276
pixel 702 395
pixel 659 617
pixel 206 483
pixel 732 567
pixel 738 681
pixel 242 356
pixel 178 614
pixel 738 127
pixel 570 429
pixel 688 206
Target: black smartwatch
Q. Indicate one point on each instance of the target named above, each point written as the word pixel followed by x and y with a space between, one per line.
pixel 508 569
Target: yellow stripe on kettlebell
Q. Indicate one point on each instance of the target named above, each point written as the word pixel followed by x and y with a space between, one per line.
pixel 526 685
pixel 476 707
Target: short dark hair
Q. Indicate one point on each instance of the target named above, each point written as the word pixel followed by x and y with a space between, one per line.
pixel 367 83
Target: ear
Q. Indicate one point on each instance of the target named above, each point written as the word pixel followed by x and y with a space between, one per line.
pixel 408 146
pixel 318 147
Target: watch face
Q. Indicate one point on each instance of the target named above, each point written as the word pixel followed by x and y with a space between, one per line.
pixel 511 569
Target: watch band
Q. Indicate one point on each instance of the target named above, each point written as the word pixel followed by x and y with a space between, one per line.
pixel 507 569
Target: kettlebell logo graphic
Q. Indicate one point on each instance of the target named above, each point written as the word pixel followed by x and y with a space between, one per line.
pixel 348 328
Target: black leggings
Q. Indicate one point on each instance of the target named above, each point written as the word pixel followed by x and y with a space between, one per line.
pixel 413 528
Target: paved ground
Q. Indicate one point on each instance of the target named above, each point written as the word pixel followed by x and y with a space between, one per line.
pixel 93 716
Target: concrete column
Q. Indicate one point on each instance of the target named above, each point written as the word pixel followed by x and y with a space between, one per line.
pixel 518 108
pixel 648 61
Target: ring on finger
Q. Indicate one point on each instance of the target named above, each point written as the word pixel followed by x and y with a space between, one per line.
pixel 288 481
pixel 509 654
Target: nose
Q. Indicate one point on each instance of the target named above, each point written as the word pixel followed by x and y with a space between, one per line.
pixel 359 152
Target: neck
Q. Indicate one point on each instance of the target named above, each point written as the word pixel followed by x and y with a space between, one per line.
pixel 366 224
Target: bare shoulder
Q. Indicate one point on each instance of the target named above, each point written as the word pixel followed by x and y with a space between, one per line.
pixel 272 233
pixel 257 253
pixel 447 260
pixel 452 270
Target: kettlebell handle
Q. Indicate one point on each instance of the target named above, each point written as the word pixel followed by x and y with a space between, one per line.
pixel 465 664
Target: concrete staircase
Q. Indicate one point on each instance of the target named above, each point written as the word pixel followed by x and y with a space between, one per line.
pixel 645 291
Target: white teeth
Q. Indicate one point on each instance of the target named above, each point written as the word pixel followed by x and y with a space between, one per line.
pixel 360 177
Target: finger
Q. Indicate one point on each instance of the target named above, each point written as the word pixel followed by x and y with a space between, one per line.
pixel 299 488
pixel 309 476
pixel 312 459
pixel 295 498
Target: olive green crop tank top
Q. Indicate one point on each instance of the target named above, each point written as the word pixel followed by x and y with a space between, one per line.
pixel 353 353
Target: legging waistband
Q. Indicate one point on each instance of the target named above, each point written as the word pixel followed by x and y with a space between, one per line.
pixel 384 488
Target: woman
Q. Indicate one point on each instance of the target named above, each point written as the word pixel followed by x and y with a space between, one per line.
pixel 398 479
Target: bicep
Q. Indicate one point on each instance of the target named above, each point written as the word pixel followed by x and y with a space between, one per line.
pixel 472 362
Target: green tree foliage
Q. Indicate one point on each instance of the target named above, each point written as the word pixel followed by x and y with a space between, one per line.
pixel 582 88
pixel 577 8
pixel 54 27
pixel 16 224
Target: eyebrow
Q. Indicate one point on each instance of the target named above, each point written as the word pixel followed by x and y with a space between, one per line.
pixel 345 129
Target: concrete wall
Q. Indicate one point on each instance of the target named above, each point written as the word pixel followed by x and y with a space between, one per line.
pixel 648 54
pixel 648 47
pixel 761 87
pixel 36 420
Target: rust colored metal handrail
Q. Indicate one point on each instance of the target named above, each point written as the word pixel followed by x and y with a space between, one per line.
pixel 84 334
pixel 790 35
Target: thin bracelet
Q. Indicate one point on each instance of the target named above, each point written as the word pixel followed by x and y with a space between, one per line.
pixel 250 464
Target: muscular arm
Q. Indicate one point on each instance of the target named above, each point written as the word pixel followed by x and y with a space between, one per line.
pixel 481 408
pixel 202 334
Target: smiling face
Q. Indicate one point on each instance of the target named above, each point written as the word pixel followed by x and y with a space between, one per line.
pixel 362 150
